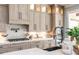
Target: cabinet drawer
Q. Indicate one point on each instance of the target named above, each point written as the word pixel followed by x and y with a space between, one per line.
pixel 32 44
pixel 25 45
pixel 13 49
pixel 3 50
pixel 41 45
pixel 46 44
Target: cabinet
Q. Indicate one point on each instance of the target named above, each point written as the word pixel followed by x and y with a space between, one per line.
pixel 43 44
pixel 31 22
pixel 43 19
pixel 23 13
pixel 46 44
pixel 13 13
pixel 3 18
pixel 18 14
pixel 57 17
pixel 37 22
pixel 47 22
pixel 3 27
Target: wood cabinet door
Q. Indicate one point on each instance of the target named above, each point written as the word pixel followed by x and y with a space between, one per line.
pixel 24 10
pixel 3 18
pixel 41 45
pixel 46 44
pixel 37 21
pixel 31 21
pixel 13 13
pixel 18 14
pixel 43 17
pixel 3 27
pixel 47 22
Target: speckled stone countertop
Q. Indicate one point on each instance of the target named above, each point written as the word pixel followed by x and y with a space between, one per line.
pixel 36 51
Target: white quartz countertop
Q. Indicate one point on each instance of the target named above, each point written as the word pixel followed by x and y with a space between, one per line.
pixel 35 51
pixel 37 39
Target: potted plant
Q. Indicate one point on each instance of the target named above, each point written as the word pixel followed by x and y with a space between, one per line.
pixel 74 33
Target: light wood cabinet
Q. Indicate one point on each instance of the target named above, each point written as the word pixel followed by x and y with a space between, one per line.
pixel 18 14
pixel 31 22
pixel 3 18
pixel 3 27
pixel 37 22
pixel 43 17
pixel 23 9
pixel 13 13
pixel 43 44
pixel 47 22
pixel 21 14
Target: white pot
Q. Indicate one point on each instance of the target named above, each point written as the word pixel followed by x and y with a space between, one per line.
pixel 67 47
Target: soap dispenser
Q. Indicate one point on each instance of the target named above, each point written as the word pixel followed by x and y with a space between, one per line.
pixel 67 46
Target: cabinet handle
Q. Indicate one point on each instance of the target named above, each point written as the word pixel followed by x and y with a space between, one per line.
pixel 19 15
pixel 1 46
pixel 20 48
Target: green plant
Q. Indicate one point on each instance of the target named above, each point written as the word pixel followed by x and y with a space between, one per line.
pixel 74 32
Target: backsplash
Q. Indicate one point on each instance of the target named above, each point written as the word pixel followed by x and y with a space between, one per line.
pixel 16 31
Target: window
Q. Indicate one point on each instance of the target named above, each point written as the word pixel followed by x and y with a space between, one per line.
pixel 38 8
pixel 32 7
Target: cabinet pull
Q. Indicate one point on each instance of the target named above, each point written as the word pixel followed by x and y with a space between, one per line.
pixel 1 46
pixel 19 15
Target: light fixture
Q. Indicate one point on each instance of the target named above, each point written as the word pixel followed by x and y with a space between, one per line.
pixel 32 6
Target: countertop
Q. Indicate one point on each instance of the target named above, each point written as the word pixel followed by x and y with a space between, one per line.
pixel 37 39
pixel 36 51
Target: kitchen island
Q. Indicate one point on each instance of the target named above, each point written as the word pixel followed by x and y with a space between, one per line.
pixel 36 51
pixel 41 43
